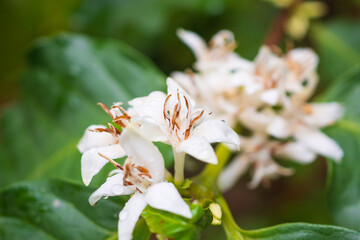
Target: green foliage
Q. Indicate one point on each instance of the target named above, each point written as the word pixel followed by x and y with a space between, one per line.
pixel 337 43
pixel 301 231
pixel 55 210
pixel 176 227
pixel 157 37
pixel 344 177
pixel 65 78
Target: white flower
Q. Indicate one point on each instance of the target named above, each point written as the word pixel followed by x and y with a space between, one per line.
pixel 302 63
pixel 303 123
pixel 218 55
pixel 257 151
pixel 214 83
pixel 181 126
pixel 142 174
pixel 98 139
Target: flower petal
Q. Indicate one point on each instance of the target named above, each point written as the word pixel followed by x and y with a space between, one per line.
pixel 149 129
pixel 149 106
pixel 199 148
pixel 231 173
pixel 142 152
pixel 268 171
pixel 217 131
pixel 257 121
pixel 129 215
pixel 302 61
pixel 270 97
pixel 92 162
pixel 324 114
pixel 296 151
pixel 279 128
pixel 112 187
pixel 194 42
pixel 319 143
pixel 164 196
pixel 95 139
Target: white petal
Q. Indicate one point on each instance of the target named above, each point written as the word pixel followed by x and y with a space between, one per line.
pixel 95 139
pixel 172 88
pixel 164 196
pixel 199 148
pixel 142 152
pixel 92 162
pixel 270 170
pixel 255 120
pixel 296 151
pixel 279 128
pixel 231 173
pixel 185 81
pixel 150 106
pixel 319 143
pixel 217 131
pixel 149 129
pixel 324 114
pixel 270 97
pixel 194 42
pixel 302 59
pixel 112 187
pixel 129 215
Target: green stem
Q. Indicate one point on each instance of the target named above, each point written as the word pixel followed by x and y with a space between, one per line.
pixel 208 177
pixel 179 159
pixel 232 230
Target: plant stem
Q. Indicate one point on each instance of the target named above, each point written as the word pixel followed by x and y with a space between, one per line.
pixel 179 159
pixel 232 230
pixel 208 177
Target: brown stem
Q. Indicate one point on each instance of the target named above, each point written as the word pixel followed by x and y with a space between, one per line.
pixel 277 30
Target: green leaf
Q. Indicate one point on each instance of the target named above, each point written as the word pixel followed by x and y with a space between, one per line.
pixel 176 227
pixel 301 231
pixel 337 43
pixel 344 177
pixel 157 38
pixel 293 231
pixel 66 76
pixel 56 210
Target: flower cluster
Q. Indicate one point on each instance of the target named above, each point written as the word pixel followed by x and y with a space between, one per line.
pixel 268 98
pixel 170 118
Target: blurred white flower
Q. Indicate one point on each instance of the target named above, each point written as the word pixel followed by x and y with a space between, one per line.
pixel 256 151
pixel 268 96
pixel 214 84
pixel 143 175
pixel 182 126
pixel 219 55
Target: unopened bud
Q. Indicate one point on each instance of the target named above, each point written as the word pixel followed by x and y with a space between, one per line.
pixel 216 212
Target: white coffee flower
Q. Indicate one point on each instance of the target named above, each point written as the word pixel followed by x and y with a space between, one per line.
pixel 214 83
pixel 304 123
pixel 186 129
pixel 98 139
pixel 219 55
pixel 143 175
pixel 257 151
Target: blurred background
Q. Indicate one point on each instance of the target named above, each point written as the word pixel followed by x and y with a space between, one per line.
pixel 331 27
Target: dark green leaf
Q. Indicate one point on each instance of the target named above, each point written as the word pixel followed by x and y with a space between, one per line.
pixel 65 78
pixel 337 43
pixel 344 177
pixel 56 210
pixel 302 231
pixel 177 227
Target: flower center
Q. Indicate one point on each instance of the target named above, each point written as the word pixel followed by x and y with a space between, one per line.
pixel 134 175
pixel 180 123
